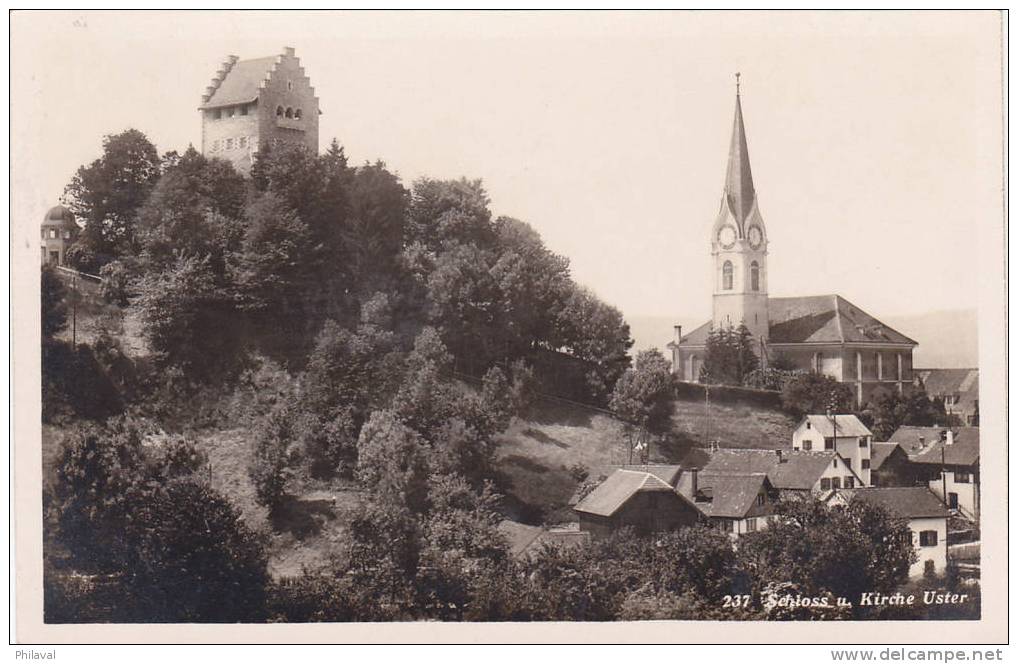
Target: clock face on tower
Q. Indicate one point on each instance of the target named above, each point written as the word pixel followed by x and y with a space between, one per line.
pixel 755 237
pixel 726 237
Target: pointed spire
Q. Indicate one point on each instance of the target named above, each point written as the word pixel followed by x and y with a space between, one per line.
pixel 739 192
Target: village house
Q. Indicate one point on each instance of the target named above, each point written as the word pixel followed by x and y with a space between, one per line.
pixel 258 103
pixel 890 466
pixel 844 434
pixel 926 516
pixel 957 388
pixel 947 461
pixel 59 231
pixel 634 499
pixel 791 472
pixel 825 334
pixel 736 503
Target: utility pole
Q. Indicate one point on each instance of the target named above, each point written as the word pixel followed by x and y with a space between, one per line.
pixel 943 473
pixel 74 311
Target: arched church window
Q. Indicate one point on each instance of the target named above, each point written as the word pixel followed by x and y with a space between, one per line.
pixel 279 111
pixel 297 114
pixel 754 276
pixel 727 272
pixel 289 112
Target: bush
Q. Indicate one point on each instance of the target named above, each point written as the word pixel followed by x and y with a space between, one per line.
pixel 113 287
pixel 813 393
pixel 274 454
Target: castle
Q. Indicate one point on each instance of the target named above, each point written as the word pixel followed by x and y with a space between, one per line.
pixel 252 104
pixel 826 334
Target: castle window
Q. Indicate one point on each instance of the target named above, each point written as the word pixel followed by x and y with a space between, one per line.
pixel 754 276
pixel 297 114
pixel 279 111
pixel 727 272
pixel 67 235
pixel 289 85
pixel 229 144
pixel 289 112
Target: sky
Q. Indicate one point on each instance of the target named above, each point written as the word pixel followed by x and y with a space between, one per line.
pixel 875 138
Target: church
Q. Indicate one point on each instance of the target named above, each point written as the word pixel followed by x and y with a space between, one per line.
pixel 826 334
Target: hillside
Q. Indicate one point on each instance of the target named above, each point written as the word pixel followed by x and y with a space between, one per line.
pixel 538 451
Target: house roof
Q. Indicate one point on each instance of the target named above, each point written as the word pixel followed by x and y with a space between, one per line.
pixel 795 470
pixel 964 451
pixel 941 382
pixel 880 452
pixel 732 494
pixel 816 319
pixel 908 501
pixel 242 83
pixel 847 425
pixel 615 491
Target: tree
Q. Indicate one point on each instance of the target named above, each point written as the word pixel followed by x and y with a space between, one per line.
pixel 888 410
pixel 813 393
pixel 106 193
pixel 54 308
pixel 643 400
pixel 595 333
pixel 113 288
pixel 843 551
pixel 189 319
pixel 392 459
pixel 275 452
pixel 729 356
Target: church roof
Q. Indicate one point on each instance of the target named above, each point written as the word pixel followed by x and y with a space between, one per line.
pixel 739 191
pixel 816 319
pixel 59 217
pixel 242 82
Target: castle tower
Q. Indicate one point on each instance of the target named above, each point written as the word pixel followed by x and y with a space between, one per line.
pixel 254 103
pixel 739 244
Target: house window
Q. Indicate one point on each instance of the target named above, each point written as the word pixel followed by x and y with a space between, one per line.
pixel 243 110
pixel 217 114
pixel 963 478
pixel 835 482
pixel 761 499
pixel 67 235
pixel 825 483
pixel 862 441
pixel 53 233
pixel 809 425
pixel 229 112
pixel 754 276
pixel 229 144
pixel 828 443
pixel 807 445
pixel 297 114
pixel 727 525
pixel 849 482
pixel 928 538
pixel 835 463
pixel 242 142
pixel 279 111
pixel 751 525
pixel 727 272
pixel 865 464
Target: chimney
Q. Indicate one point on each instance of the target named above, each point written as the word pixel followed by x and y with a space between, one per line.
pixel 678 334
pixel 922 442
pixel 943 435
pixel 694 484
pixel 288 50
pixel 949 440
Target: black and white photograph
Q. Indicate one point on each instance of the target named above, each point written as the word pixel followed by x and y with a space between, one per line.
pixel 645 319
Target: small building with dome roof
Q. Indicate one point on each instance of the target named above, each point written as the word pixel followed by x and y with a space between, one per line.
pixel 59 231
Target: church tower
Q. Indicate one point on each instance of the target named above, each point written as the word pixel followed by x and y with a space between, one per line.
pixel 739 244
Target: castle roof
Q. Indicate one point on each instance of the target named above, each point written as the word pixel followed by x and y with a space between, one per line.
pixel 816 319
pixel 739 192
pixel 59 217
pixel 241 82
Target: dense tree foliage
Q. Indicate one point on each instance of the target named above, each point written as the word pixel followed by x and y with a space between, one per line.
pixel 813 393
pixel 887 410
pixel 106 194
pixel 730 356
pixel 53 296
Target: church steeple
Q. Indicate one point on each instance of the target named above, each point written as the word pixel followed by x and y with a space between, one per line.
pixel 739 242
pixel 739 192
